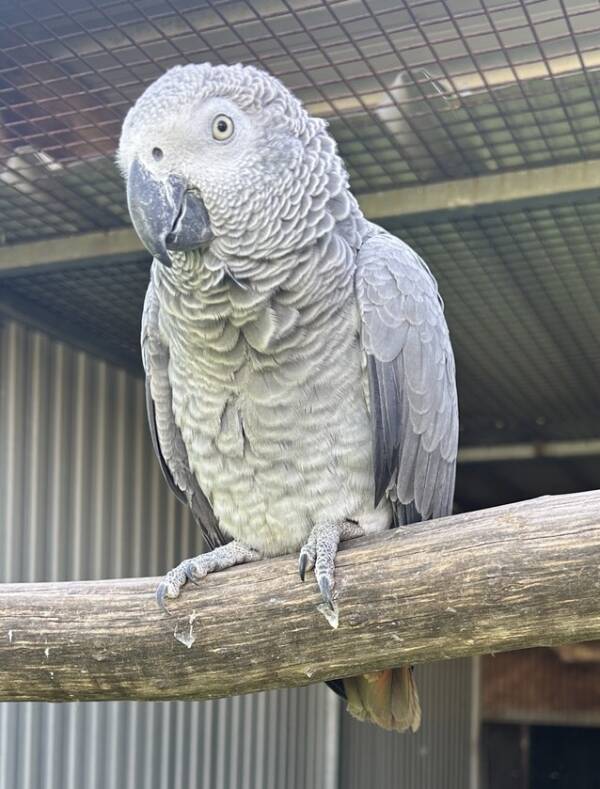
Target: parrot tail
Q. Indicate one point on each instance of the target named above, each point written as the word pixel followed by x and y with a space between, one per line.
pixel 387 698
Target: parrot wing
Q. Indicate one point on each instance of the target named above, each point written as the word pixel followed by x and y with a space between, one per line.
pixel 166 436
pixel 411 372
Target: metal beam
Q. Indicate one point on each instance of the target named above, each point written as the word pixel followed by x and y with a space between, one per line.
pixel 100 246
pixel 557 182
pixel 485 191
pixel 532 451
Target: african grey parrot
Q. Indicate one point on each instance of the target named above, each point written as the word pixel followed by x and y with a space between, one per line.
pixel 299 374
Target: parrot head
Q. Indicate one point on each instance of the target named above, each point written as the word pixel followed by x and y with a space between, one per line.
pixel 225 157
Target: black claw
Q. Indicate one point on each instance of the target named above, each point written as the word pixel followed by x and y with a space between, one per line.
pixel 161 591
pixel 326 590
pixel 302 565
pixel 188 573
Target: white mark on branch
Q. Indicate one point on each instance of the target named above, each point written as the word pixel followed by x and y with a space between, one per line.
pixel 187 639
pixel 332 615
pixel 10 636
pixel 47 652
pixel 309 672
pixel 451 610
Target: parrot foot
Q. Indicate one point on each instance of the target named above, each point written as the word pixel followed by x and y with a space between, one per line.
pixel 199 566
pixel 320 550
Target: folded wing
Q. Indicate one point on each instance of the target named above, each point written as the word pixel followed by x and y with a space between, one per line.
pixel 413 401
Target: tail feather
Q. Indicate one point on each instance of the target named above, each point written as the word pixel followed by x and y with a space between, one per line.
pixel 387 698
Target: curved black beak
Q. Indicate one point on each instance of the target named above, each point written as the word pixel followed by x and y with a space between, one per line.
pixel 165 214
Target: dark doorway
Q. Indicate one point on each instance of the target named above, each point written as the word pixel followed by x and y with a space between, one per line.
pixel 564 757
pixel 519 756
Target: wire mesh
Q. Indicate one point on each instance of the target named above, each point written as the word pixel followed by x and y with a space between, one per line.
pixel 413 91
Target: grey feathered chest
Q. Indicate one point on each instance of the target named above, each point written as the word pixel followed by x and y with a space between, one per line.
pixel 269 390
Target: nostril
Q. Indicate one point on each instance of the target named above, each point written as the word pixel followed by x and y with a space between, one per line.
pixel 157 154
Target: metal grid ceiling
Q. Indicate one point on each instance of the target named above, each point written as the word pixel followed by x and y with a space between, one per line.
pixel 414 91
pixel 522 295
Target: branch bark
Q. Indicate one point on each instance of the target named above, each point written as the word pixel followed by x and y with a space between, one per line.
pixel 523 575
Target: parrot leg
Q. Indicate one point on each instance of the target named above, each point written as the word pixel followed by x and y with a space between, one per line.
pixel 320 550
pixel 199 566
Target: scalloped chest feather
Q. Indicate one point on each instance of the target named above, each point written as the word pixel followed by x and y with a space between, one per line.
pixel 269 391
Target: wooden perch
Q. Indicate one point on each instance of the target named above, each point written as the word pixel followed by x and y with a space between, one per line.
pixel 522 575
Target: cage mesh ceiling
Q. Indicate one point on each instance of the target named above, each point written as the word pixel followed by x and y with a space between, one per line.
pixel 414 91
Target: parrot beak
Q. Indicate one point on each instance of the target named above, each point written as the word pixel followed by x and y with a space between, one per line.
pixel 166 215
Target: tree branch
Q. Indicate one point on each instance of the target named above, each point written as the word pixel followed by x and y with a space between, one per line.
pixel 523 575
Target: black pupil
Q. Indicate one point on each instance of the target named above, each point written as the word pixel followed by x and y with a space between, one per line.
pixel 222 126
pixel 157 154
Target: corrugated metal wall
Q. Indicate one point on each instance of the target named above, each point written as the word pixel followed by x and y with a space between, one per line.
pixel 438 756
pixel 81 496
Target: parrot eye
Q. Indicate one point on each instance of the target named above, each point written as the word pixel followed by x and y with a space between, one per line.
pixel 222 128
pixel 157 154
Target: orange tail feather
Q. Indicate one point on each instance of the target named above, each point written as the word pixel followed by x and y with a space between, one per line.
pixel 387 698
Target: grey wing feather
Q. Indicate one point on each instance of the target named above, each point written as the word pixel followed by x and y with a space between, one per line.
pixel 166 437
pixel 412 388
